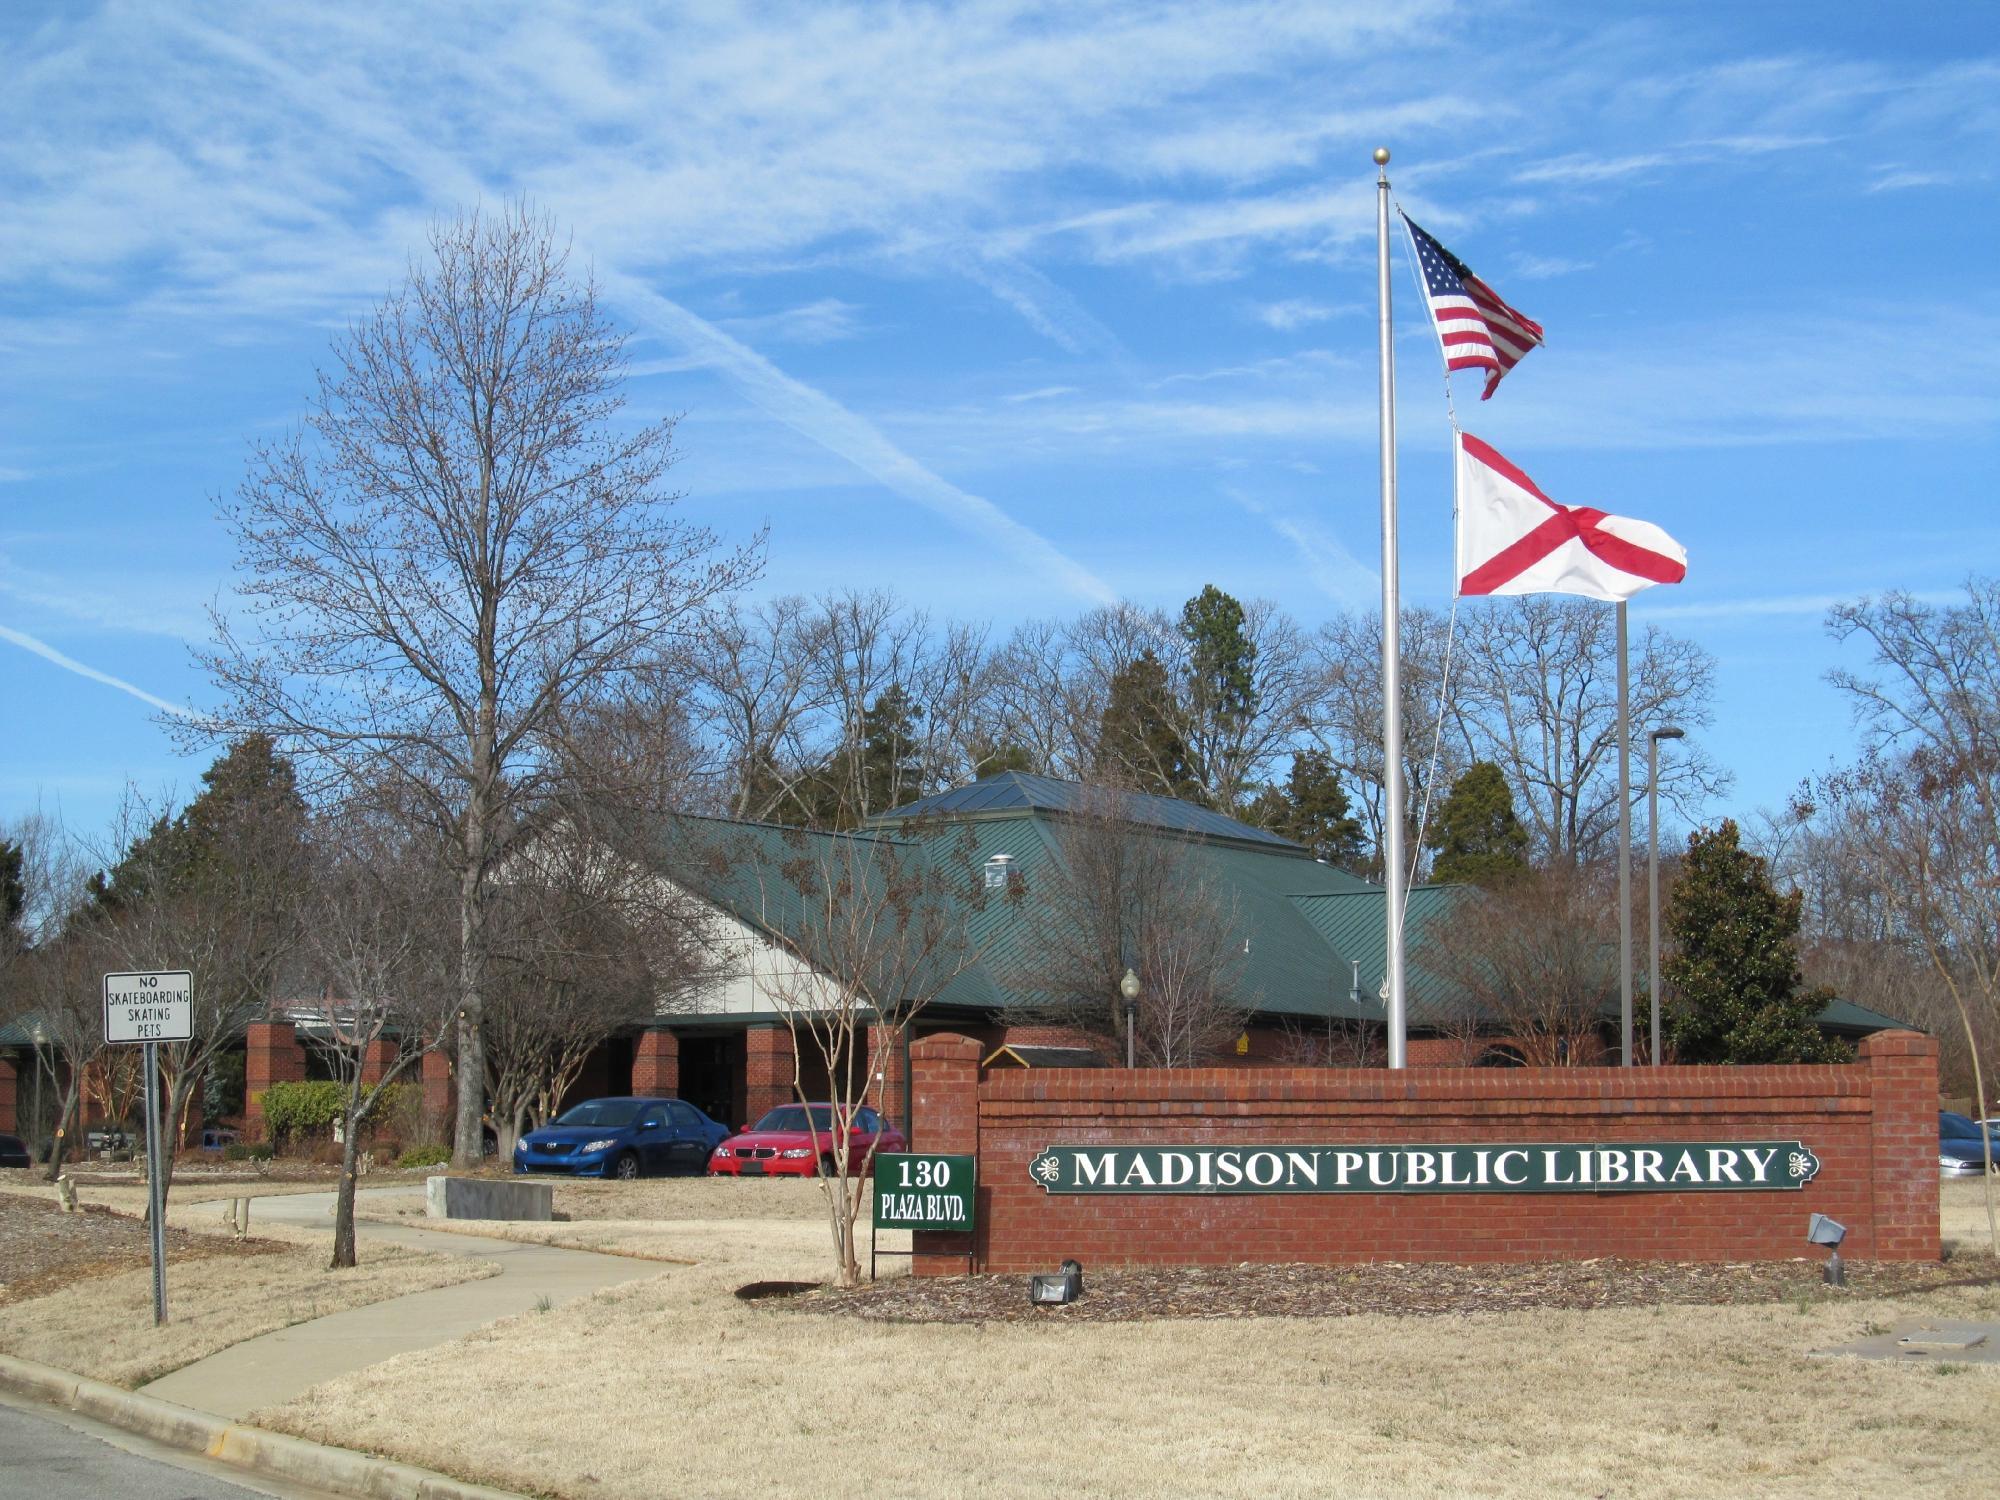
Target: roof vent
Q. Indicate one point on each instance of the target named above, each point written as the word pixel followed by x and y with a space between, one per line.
pixel 997 869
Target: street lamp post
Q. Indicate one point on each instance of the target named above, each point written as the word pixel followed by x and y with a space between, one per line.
pixel 40 1039
pixel 1653 873
pixel 1129 988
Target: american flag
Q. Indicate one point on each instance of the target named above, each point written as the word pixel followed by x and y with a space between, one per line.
pixel 1477 329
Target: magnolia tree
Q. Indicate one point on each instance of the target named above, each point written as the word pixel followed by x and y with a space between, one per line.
pixel 877 926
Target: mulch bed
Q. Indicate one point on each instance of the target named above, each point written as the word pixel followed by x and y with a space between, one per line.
pixel 1421 1290
pixel 43 1249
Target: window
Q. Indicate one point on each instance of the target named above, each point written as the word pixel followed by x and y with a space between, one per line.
pixel 683 1115
pixel 867 1122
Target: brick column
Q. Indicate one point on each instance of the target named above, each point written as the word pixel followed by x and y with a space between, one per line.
pixel 9 1121
pixel 376 1060
pixel 271 1054
pixel 656 1064
pixel 885 1058
pixel 1902 1076
pixel 945 1078
pixel 768 1070
pixel 440 1098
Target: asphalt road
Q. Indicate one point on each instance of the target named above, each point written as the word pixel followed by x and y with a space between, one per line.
pixel 46 1455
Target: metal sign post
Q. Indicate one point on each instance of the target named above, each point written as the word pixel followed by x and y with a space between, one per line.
pixel 155 1210
pixel 145 1010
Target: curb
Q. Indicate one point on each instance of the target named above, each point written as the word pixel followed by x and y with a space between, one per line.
pixel 237 1443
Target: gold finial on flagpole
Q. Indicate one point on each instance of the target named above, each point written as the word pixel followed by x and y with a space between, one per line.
pixel 1381 156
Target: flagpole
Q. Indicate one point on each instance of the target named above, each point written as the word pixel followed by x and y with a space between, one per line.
pixel 1393 870
pixel 1624 848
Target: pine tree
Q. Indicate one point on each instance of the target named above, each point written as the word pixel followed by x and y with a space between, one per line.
pixel 1139 744
pixel 1221 686
pixel 1477 837
pixel 1312 809
pixel 1734 991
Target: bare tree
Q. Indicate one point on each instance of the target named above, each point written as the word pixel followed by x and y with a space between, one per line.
pixel 382 951
pixel 461 539
pixel 879 926
pixel 216 889
pixel 1115 895
pixel 587 942
pixel 1533 961
pixel 1345 717
pixel 58 978
pixel 1926 798
pixel 1538 696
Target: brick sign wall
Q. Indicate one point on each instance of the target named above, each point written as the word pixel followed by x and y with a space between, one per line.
pixel 1871 1125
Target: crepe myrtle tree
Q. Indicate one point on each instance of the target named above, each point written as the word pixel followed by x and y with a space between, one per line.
pixel 379 944
pixel 463 538
pixel 877 925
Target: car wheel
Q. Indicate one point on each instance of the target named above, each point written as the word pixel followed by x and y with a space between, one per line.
pixel 626 1168
pixel 827 1167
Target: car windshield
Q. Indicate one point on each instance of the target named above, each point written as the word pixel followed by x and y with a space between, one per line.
pixel 793 1117
pixel 1952 1124
pixel 615 1112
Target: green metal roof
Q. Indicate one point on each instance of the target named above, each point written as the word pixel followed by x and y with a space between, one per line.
pixel 1307 923
pixel 1018 792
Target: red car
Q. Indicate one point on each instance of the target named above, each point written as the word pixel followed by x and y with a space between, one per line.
pixel 781 1145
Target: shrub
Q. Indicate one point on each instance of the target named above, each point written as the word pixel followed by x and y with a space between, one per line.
pixel 425 1156
pixel 248 1151
pixel 296 1112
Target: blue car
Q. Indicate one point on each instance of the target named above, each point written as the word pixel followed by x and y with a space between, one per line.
pixel 622 1138
pixel 1961 1148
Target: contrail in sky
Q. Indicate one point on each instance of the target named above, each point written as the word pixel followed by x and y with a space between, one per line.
pixel 856 439
pixel 71 664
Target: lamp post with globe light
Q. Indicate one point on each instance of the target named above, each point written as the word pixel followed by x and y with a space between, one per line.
pixel 1129 988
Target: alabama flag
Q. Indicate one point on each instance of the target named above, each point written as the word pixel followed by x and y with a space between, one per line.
pixel 1513 539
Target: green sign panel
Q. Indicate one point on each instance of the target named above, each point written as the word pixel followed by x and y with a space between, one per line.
pixel 1488 1167
pixel 916 1191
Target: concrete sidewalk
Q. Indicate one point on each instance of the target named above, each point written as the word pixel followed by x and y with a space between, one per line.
pixel 278 1366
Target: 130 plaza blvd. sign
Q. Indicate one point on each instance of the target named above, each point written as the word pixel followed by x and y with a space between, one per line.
pixel 1489 1167
pixel 918 1191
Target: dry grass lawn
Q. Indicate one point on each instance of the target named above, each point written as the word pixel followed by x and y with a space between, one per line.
pixel 1962 1214
pixel 104 1327
pixel 672 1219
pixel 1662 1402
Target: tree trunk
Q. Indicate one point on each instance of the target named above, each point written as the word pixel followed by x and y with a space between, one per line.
pixel 343 1199
pixel 468 1147
pixel 59 1141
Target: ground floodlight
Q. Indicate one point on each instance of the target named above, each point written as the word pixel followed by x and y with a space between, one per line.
pixel 1820 1230
pixel 1059 1290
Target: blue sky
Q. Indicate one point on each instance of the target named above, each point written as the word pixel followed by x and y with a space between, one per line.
pixel 1014 308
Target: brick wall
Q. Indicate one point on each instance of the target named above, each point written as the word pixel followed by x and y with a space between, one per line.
pixel 656 1065
pixel 768 1070
pixel 1872 1123
pixel 271 1054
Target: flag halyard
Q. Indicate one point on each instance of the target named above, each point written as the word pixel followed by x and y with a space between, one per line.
pixel 1477 327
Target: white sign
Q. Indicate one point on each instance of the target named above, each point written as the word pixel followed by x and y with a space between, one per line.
pixel 149 1007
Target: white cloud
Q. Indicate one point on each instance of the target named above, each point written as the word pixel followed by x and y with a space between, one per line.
pixel 1298 312
pixel 825 321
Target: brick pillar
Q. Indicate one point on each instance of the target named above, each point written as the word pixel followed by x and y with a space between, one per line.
pixel 271 1054
pixel 945 1112
pixel 768 1070
pixel 885 1059
pixel 1902 1077
pixel 376 1060
pixel 440 1098
pixel 656 1064
pixel 9 1121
